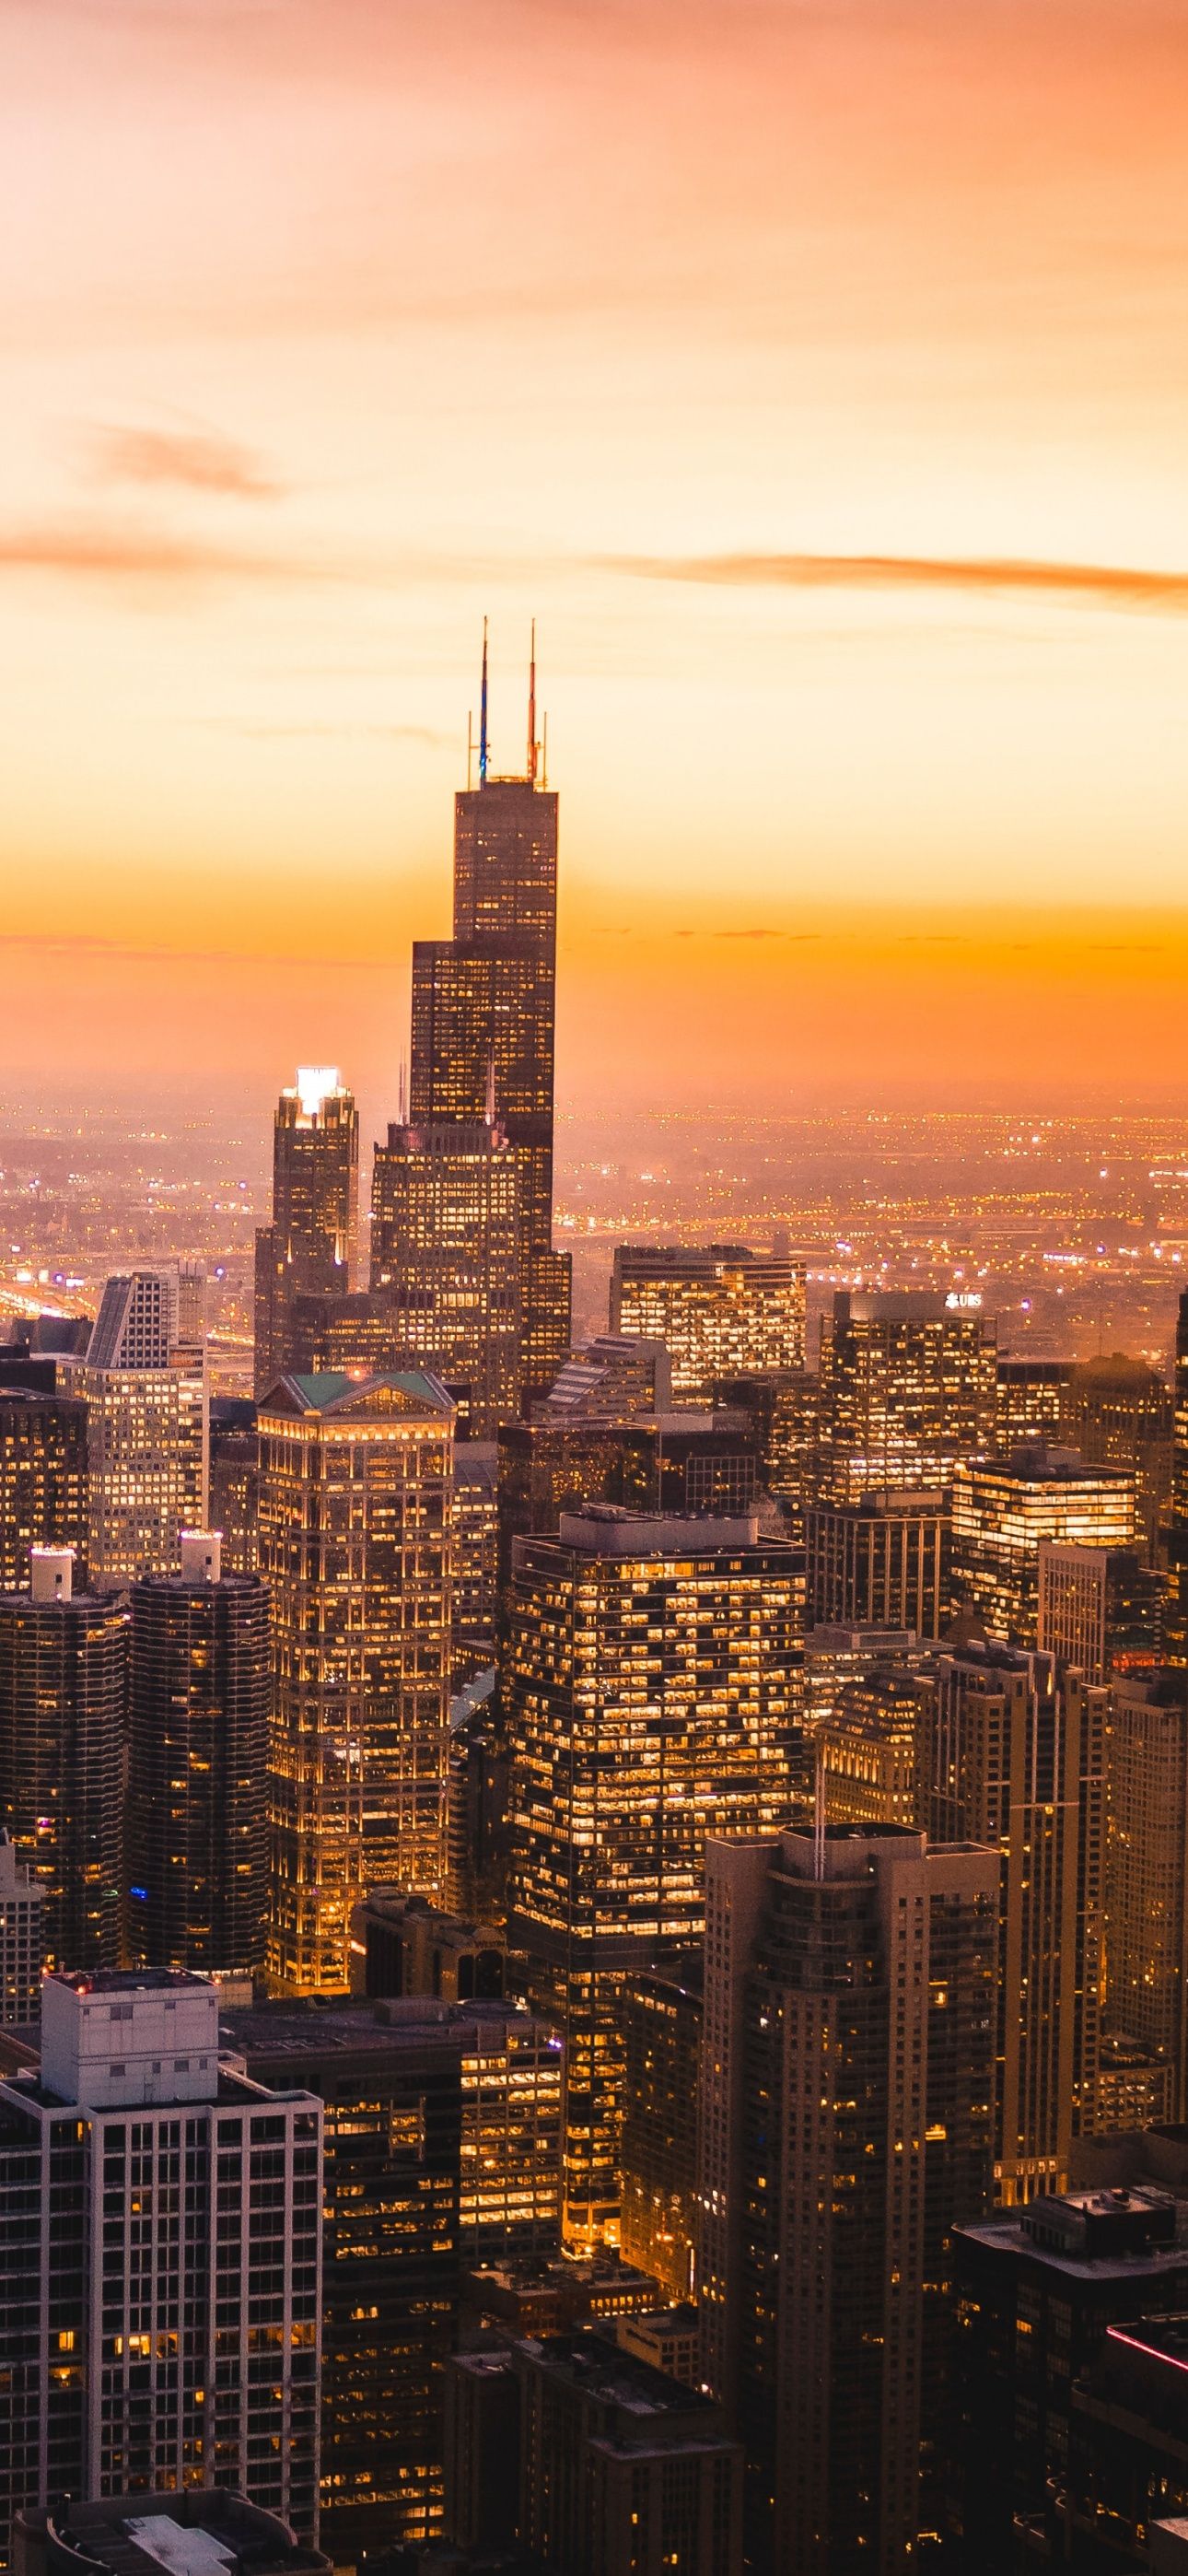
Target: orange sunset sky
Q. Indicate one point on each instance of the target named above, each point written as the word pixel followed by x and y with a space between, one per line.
pixel 818 376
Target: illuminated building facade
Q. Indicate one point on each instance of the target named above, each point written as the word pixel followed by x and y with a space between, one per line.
pixel 1012 1758
pixel 1146 1941
pixel 652 1698
pixel 868 1750
pixel 43 1479
pixel 447 1249
pixel 1099 1608
pixel 907 1389
pixel 611 1378
pixel 162 2259
pixel 883 1560
pixel 722 1311
pixel 1031 1396
pixel 836 1656
pixel 143 1381
pixel 484 1015
pixel 196 1833
pixel 1118 1412
pixel 845 2126
pixel 311 1246
pixel 442 2151
pixel 1003 1508
pixel 476 1557
pixel 356 1546
pixel 661 2019
pixel 63 1679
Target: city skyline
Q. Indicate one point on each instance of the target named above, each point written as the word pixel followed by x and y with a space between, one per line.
pixel 844 490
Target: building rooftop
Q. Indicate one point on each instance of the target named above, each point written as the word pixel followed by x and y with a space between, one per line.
pixel 374 2025
pixel 607 1529
pixel 1091 2235
pixel 343 1391
pixel 203 2532
pixel 603 2370
pixel 130 1981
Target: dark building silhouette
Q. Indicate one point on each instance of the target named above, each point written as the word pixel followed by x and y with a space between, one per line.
pixel 484 1013
pixel 442 2150
pixel 448 1256
pixel 1034 2297
pixel 43 1479
pixel 196 1838
pixel 844 2129
pixel 234 1479
pixel 661 2021
pixel 63 1682
pixel 1176 1619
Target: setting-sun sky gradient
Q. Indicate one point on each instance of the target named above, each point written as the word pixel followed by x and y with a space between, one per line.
pixel 817 375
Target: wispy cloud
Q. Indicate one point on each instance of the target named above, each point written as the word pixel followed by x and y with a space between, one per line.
pixel 198 460
pixel 95 550
pixel 1110 586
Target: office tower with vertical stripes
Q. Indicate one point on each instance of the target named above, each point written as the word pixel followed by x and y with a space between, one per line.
pixel 484 1011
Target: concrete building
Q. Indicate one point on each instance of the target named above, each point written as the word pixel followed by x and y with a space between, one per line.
pixel 169 2236
pixel 1015 1759
pixel 203 2528
pixel 1099 1609
pixel 845 2125
pixel 22 1939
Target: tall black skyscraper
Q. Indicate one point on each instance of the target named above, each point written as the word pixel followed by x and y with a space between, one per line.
pixel 196 1838
pixel 484 1010
pixel 63 1677
pixel 1176 1621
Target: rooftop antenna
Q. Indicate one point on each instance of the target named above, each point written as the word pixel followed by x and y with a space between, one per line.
pixel 544 751
pixel 489 1112
pixel 483 715
pixel 532 708
pixel 469 746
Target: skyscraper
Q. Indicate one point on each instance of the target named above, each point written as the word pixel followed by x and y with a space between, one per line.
pixel 720 1311
pixel 311 1246
pixel 1013 1758
pixel 1098 1608
pixel 907 1389
pixel 1176 1624
pixel 63 1667
pixel 844 2128
pixel 162 2259
pixel 883 1561
pixel 484 1011
pixel 196 1837
pixel 652 1682
pixel 43 1479
pixel 356 1545
pixel 447 1247
pixel 868 1749
pixel 442 2151
pixel 1118 1412
pixel 145 1390
pixel 1146 1927
pixel 661 2014
pixel 1003 1508
pixel 22 1938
